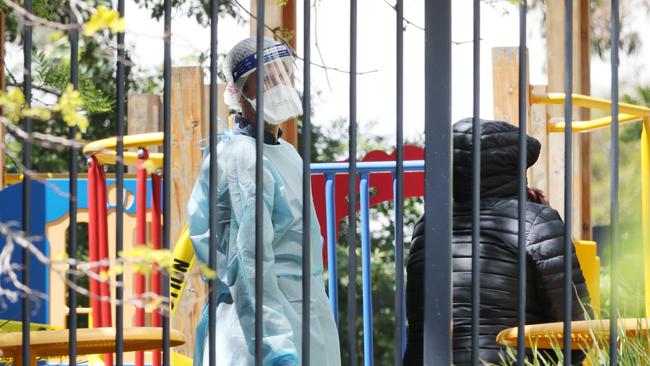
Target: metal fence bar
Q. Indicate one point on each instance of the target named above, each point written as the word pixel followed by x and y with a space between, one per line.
pixel 212 260
pixel 399 186
pixel 27 182
pixel 613 330
pixel 167 78
pixel 259 202
pixel 366 270
pixel 568 170
pixel 476 188
pixel 437 183
pixel 400 294
pixel 72 228
pixel 119 182
pixel 352 180
pixel 306 187
pixel 523 158
pixel 366 167
pixel 332 274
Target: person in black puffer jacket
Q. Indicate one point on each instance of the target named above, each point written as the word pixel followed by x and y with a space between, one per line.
pixel 498 251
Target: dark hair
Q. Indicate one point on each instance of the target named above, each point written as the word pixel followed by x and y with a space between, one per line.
pixel 537 195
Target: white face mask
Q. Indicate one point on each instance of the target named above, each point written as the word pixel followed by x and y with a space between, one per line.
pixel 280 104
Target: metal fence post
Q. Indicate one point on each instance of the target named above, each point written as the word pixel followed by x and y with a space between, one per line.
pixel 438 179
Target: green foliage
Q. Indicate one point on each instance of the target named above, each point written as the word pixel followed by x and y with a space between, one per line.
pixel 630 258
pixel 382 257
pixel 197 9
pixel 630 38
pixel 642 98
pixel 96 78
pixel 55 74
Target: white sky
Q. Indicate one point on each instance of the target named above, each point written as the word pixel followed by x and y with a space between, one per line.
pixel 376 51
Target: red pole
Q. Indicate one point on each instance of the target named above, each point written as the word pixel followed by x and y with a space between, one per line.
pixel 156 239
pixel 93 251
pixel 140 239
pixel 103 252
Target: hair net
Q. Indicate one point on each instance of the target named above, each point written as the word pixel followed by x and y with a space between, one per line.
pixel 241 62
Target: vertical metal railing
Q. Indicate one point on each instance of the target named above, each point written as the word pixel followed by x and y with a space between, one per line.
pixel 259 190
pixel 476 187
pixel 366 279
pixel 352 197
pixel 398 186
pixel 212 204
pixel 437 183
pixel 568 173
pixel 523 194
pixel 27 183
pixel 119 191
pixel 72 228
pixel 332 274
pixel 614 224
pixel 438 189
pixel 306 187
pixel 167 78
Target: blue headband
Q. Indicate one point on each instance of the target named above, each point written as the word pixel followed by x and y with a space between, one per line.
pixel 250 62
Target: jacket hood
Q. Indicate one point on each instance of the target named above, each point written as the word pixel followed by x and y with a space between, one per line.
pixel 499 159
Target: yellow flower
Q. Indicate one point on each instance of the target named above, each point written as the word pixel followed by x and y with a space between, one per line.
pixel 12 103
pixel 104 18
pixel 55 36
pixel 68 105
pixel 104 275
pixel 60 256
pixel 149 166
pixel 207 271
pixel 40 113
pixel 144 257
pixel 14 107
pixel 111 272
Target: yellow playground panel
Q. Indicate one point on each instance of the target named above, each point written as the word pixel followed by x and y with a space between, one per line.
pixel 627 113
pixel 547 335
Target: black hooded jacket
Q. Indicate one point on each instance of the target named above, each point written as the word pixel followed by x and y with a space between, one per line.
pixel 498 250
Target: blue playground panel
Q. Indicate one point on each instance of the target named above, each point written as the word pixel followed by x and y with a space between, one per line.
pixel 11 211
pixel 49 202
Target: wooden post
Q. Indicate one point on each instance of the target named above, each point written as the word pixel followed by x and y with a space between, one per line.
pixel 538 175
pixel 276 17
pixel 2 87
pixel 186 120
pixel 505 82
pixel 144 111
pixel 222 110
pixel 505 85
pixel 555 39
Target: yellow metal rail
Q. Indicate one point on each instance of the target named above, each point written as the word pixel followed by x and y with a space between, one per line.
pixel 586 101
pixel 628 113
pixel 104 150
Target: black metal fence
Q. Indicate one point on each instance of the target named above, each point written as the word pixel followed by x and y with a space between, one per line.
pixel 438 183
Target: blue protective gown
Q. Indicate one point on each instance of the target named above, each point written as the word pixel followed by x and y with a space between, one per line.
pixel 282 222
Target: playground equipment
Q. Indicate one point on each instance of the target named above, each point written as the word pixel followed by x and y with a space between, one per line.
pixel 545 335
pixel 329 200
pixel 54 343
pixel 376 174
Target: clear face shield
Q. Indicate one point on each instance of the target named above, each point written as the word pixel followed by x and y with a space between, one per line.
pixel 281 100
